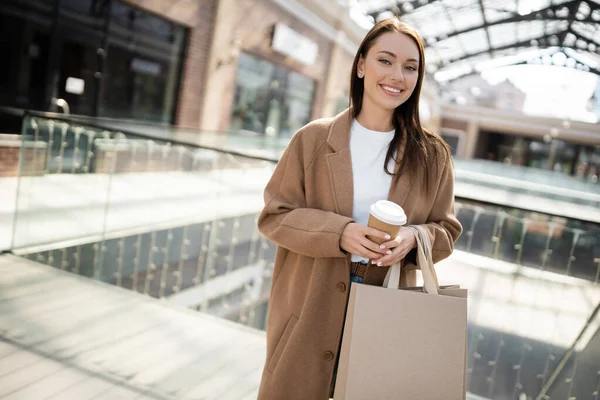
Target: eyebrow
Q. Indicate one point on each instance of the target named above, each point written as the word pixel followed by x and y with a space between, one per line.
pixel 393 55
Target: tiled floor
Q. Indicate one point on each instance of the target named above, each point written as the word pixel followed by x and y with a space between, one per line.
pixel 67 337
pixel 63 336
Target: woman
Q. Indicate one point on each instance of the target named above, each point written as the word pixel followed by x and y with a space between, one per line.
pixel 317 205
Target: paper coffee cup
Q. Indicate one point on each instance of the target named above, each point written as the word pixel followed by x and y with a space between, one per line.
pixel 386 216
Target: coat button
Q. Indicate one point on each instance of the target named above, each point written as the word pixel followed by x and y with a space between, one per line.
pixel 341 286
pixel 328 355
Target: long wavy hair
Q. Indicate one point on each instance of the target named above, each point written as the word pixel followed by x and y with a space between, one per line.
pixel 421 144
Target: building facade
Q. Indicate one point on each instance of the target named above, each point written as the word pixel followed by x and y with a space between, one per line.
pixel 563 146
pixel 261 66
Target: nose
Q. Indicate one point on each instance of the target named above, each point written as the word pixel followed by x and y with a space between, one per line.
pixel 398 75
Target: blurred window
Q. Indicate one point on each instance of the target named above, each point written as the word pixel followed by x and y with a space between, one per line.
pixel 141 69
pixel 270 99
pixel 544 153
pixel 452 140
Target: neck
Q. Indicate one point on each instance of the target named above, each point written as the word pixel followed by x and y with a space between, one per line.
pixel 375 118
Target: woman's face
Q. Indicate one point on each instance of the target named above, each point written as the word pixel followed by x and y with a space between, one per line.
pixel 390 70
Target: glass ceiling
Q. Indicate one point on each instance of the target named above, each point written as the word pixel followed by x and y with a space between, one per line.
pixel 463 35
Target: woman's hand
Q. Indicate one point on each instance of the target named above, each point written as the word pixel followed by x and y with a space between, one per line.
pixel 395 250
pixel 354 241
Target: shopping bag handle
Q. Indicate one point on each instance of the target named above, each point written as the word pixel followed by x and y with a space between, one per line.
pixel 424 261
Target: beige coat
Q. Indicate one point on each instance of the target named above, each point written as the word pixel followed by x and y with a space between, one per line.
pixel 308 202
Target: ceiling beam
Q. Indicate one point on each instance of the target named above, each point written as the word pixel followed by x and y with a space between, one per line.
pixel 581 36
pixel 451 22
pixel 543 42
pixel 517 5
pixel 544 14
pixel 590 69
pixel 572 10
pixel 487 31
pixel 539 15
pixel 526 62
pixel 398 8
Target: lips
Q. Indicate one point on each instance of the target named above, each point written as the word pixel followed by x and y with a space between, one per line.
pixel 391 90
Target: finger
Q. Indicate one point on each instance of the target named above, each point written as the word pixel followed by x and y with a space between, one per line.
pixel 374 247
pixel 377 262
pixel 397 255
pixel 381 261
pixel 376 233
pixel 391 244
pixel 371 255
pixel 357 248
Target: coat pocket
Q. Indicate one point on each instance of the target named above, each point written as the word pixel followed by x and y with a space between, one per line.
pixel 287 332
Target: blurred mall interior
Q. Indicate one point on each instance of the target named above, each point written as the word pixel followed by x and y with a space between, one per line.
pixel 136 138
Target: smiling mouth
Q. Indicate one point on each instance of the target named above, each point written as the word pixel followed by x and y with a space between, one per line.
pixel 390 90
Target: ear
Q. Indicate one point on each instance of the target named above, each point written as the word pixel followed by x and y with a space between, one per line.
pixel 360 67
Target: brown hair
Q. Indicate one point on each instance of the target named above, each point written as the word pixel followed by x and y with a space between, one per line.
pixel 421 144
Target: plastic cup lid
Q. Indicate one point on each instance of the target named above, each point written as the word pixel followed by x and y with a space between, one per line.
pixel 388 212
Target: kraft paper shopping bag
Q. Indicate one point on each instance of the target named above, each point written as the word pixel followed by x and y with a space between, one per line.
pixel 404 343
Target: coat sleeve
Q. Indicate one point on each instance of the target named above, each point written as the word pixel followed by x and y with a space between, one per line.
pixel 287 221
pixel 442 225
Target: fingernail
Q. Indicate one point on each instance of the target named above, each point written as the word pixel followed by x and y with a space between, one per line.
pixel 373 262
pixel 382 247
pixel 388 237
pixel 379 264
pixel 388 252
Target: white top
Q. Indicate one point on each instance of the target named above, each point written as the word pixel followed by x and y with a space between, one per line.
pixel 368 149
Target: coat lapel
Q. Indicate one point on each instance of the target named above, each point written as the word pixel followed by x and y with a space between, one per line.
pixel 340 163
pixel 340 167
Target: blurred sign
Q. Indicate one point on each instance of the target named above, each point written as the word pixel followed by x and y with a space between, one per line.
pixel 75 85
pixel 291 43
pixel 145 67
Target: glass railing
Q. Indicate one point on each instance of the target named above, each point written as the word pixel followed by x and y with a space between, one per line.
pixel 538 183
pixel 510 184
pixel 530 239
pixel 536 176
pixel 173 220
pixel 169 220
pixel 246 142
pixel 84 184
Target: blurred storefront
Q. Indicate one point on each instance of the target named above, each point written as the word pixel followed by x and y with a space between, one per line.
pixel 566 147
pixel 270 70
pixel 91 57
